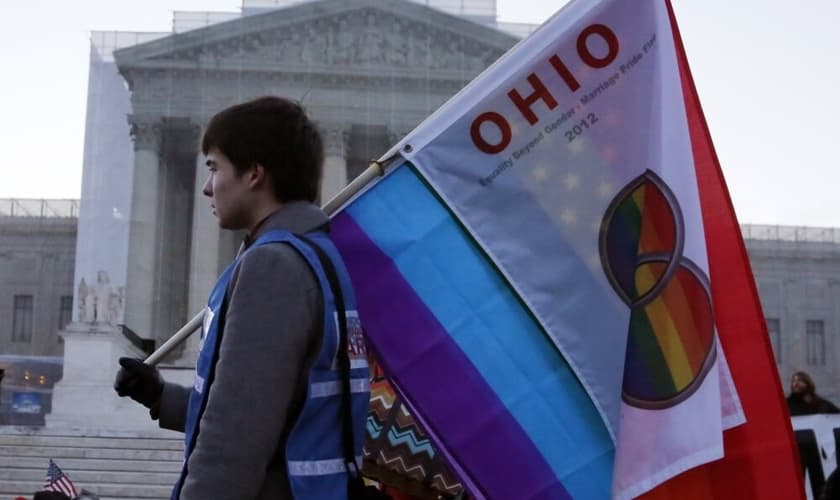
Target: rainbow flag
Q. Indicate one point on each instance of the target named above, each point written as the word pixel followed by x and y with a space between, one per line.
pixel 554 280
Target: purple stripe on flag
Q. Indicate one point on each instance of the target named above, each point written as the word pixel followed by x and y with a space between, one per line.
pixel 445 391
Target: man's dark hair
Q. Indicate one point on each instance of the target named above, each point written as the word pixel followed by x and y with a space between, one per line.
pixel 276 133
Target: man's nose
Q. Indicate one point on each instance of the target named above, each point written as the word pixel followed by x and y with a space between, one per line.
pixel 208 187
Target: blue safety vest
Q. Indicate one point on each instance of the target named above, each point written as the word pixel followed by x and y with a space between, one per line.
pixel 314 452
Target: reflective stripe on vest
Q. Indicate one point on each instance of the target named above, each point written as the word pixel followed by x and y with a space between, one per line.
pixel 319 467
pixel 332 388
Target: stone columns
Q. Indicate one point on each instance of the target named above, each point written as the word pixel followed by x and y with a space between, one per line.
pixel 204 253
pixel 142 240
pixel 335 159
pixel 176 188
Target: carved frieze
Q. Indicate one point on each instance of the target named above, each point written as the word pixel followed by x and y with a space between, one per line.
pixel 367 37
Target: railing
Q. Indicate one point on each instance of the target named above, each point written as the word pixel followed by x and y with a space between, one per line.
pixel 27 207
pixel 189 20
pixel 519 30
pixel 485 8
pixel 791 233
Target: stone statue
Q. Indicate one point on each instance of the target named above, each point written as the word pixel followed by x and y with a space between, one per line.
pixel 372 47
pixel 101 303
pixel 396 44
pixel 115 305
pixel 103 297
pixel 85 303
pixel 342 50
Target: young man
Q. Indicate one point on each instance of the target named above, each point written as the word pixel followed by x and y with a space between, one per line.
pixel 264 417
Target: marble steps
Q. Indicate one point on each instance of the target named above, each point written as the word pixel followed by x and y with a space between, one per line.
pixel 81 463
pixel 89 453
pixel 106 442
pixel 92 476
pixel 118 465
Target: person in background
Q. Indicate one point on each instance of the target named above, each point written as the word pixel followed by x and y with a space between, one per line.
pixel 50 495
pixel 803 398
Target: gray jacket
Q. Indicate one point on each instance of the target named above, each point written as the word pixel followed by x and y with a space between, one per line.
pixel 272 334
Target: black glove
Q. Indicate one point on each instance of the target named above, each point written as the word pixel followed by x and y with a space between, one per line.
pixel 140 382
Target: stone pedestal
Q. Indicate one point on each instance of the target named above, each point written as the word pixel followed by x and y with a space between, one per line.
pixel 85 397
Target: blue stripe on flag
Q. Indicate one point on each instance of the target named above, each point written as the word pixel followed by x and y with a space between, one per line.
pixel 469 298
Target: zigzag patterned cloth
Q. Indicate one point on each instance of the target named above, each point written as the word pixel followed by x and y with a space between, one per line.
pixel 397 452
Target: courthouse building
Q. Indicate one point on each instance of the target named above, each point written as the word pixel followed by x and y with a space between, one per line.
pixel 368 71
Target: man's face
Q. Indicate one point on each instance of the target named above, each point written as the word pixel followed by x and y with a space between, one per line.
pixel 797 385
pixel 229 193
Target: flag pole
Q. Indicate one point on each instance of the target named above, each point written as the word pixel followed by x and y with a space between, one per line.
pixel 175 340
pixel 375 169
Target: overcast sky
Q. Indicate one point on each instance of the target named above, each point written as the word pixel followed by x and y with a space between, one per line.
pixel 766 71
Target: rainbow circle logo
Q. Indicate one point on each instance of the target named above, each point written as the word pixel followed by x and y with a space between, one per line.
pixel 671 336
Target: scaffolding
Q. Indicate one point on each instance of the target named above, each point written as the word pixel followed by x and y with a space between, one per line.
pixel 28 207
pixel 790 233
pixel 481 9
pixel 183 20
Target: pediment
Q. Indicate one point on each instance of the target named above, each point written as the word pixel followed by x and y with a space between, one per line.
pixel 351 35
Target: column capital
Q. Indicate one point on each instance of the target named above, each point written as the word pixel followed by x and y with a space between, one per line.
pixel 146 132
pixel 336 139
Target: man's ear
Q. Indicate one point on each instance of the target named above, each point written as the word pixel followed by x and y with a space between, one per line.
pixel 256 175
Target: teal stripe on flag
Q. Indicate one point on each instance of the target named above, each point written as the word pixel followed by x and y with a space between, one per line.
pixel 487 321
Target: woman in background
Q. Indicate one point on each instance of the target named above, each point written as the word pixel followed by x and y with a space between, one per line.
pixel 803 398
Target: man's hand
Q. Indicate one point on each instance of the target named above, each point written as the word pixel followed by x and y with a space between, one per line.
pixel 140 382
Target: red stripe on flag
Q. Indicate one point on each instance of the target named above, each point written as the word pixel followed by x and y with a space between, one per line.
pixel 760 458
pixel 65 486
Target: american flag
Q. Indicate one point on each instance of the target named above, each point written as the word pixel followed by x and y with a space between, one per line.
pixel 56 480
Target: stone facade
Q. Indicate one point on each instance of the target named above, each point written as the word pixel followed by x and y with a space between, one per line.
pixel 797 272
pixel 37 253
pixel 37 256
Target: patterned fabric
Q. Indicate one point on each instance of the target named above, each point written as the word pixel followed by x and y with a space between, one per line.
pixel 397 452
